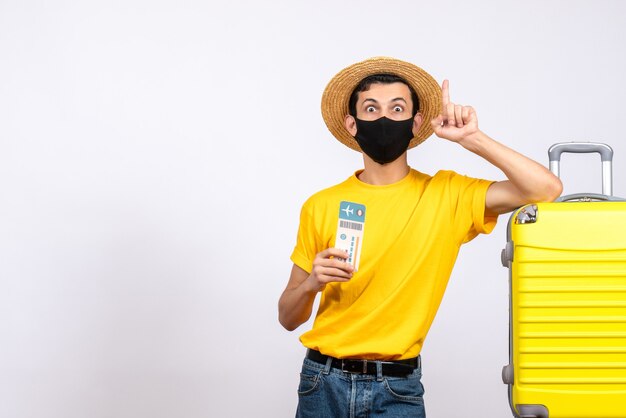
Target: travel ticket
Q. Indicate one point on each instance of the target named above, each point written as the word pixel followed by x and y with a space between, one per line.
pixel 350 231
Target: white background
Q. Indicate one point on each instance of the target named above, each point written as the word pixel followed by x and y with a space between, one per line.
pixel 154 156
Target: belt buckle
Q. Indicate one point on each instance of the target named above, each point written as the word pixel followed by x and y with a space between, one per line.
pixel 351 369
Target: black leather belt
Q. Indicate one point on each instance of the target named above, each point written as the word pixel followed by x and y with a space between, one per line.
pixel 389 368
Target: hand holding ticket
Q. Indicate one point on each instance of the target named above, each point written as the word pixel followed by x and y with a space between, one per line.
pixel 350 226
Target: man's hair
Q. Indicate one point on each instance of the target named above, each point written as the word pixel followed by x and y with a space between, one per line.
pixel 365 84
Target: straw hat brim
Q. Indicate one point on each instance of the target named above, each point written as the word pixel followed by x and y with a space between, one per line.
pixel 337 95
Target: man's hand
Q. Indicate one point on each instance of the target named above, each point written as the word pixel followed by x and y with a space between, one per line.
pixel 527 181
pixel 455 122
pixel 296 302
pixel 327 267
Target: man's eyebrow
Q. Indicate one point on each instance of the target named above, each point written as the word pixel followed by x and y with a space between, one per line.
pixel 392 100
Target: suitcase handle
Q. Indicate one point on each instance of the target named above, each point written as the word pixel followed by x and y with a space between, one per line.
pixel 606 154
pixel 587 197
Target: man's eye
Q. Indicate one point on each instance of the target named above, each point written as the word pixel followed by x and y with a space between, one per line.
pixel 398 109
pixel 370 109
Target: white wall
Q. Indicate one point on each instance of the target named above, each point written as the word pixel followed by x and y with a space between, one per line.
pixel 154 156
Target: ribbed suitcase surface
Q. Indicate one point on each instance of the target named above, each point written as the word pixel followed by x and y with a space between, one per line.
pixel 567 263
pixel 568 294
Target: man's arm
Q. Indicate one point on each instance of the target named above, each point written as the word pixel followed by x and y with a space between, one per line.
pixel 528 181
pixel 296 302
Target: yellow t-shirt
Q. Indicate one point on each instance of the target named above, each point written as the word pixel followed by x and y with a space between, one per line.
pixel 412 234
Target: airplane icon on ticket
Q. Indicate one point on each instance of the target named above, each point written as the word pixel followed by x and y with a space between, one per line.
pixel 348 211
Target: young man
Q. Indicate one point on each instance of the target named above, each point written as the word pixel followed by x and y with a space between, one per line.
pixel 379 297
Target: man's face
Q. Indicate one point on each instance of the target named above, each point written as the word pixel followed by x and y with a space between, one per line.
pixel 390 100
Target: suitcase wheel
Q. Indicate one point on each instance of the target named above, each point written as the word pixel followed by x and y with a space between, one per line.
pixel 532 411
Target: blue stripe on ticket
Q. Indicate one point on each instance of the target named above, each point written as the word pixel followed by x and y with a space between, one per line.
pixel 351 211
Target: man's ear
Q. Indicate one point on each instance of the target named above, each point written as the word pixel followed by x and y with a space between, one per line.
pixel 417 123
pixel 350 124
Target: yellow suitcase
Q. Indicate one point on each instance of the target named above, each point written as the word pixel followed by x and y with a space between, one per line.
pixel 567 264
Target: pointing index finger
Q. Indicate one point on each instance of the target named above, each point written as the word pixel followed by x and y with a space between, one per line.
pixel 445 93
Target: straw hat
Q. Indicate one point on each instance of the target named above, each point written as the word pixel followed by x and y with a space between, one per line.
pixel 337 95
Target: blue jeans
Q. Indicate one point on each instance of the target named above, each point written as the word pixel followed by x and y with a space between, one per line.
pixel 326 392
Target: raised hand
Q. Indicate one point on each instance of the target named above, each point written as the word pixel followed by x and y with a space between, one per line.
pixel 455 122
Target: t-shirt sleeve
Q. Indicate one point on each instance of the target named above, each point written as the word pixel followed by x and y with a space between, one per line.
pixel 483 223
pixel 306 243
pixel 471 218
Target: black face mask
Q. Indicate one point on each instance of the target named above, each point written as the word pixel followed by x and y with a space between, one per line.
pixel 383 139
